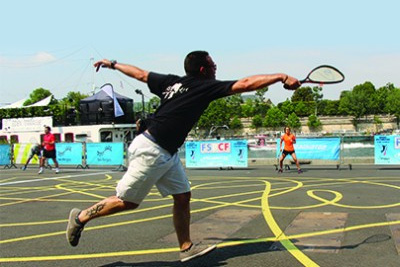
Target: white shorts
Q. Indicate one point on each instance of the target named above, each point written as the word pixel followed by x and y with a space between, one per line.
pixel 149 165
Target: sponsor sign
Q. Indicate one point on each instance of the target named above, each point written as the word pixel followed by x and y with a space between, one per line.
pixel 226 153
pixel 315 148
pixel 387 149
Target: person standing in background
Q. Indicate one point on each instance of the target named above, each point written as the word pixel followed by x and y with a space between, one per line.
pixel 49 149
pixel 35 150
pixel 289 139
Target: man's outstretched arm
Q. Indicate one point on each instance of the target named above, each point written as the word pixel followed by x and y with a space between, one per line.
pixel 256 82
pixel 129 70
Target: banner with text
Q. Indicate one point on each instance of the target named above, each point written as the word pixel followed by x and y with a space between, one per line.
pixel 69 153
pixel 104 153
pixel 226 153
pixel 315 148
pixel 5 154
pixel 387 149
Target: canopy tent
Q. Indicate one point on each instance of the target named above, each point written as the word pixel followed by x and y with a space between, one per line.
pixel 100 108
pixel 19 104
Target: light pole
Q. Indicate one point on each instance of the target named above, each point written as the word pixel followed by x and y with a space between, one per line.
pixel 215 128
pixel 139 92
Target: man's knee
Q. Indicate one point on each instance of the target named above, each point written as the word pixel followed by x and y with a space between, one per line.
pixel 182 199
pixel 126 205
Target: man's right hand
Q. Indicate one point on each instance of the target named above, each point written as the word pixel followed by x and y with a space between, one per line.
pixel 291 83
pixel 104 63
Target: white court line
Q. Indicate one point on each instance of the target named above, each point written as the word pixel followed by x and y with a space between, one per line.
pixel 54 178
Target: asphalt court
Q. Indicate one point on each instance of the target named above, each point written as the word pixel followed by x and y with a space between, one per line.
pixel 322 217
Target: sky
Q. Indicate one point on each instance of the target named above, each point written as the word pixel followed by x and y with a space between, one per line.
pixel 53 44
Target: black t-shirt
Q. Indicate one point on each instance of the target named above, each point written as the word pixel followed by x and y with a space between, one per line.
pixel 36 150
pixel 183 100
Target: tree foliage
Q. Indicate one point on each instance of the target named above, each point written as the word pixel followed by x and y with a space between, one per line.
pixel 361 100
pixel 257 121
pixel 314 123
pixel 293 121
pixel 37 95
pixel 275 118
pixel 303 94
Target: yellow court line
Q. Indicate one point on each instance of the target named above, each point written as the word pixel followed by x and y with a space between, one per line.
pixel 279 235
pixel 291 248
pixel 90 256
pixel 325 202
pixel 113 224
pixel 168 250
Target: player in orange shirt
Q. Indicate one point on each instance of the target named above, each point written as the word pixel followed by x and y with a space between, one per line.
pixel 288 149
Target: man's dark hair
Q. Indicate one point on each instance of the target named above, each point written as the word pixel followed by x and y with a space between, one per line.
pixel 48 128
pixel 193 61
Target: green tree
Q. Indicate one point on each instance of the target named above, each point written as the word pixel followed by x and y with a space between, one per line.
pixel 393 104
pixel 328 107
pixel 314 123
pixel 378 123
pixel 234 103
pixel 301 109
pixel 154 103
pixel 261 108
pixel 359 102
pixel 68 108
pixel 248 108
pixel 257 122
pixel 72 99
pixel 380 98
pixel 37 95
pixel 293 121
pixel 274 119
pixel 317 97
pixel 303 94
pixel 236 123
pixel 287 106
pixel 215 114
pixel 260 94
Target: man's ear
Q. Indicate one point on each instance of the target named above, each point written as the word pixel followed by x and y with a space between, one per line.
pixel 203 70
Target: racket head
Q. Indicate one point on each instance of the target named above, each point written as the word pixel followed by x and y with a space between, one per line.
pixel 324 74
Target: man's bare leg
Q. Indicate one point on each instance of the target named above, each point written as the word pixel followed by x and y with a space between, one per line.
pixel 181 218
pixel 105 207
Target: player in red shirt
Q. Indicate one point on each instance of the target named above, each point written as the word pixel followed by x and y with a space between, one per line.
pixel 289 139
pixel 49 149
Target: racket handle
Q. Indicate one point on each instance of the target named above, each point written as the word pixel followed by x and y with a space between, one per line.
pixel 289 88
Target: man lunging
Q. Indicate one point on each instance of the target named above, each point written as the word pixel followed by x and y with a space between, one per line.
pixel 153 158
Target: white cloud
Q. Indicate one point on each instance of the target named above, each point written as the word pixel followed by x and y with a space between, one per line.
pixel 35 60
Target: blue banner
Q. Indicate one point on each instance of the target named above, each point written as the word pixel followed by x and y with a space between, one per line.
pixel 4 154
pixel 387 149
pixel 226 153
pixel 315 148
pixel 69 153
pixel 104 153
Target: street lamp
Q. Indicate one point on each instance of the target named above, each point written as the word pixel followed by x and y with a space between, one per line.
pixel 139 92
pixel 215 128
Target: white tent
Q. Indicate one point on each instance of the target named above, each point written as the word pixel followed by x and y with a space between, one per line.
pixel 19 104
pixel 41 103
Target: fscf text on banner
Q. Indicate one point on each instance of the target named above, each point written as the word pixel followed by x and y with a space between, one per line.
pixel 216 153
